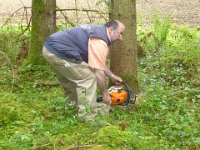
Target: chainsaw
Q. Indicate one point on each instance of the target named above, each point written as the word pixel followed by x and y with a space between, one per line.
pixel 120 95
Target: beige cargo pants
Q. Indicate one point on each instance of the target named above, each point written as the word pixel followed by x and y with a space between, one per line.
pixel 78 80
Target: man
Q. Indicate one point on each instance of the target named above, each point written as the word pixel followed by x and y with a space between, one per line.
pixel 78 56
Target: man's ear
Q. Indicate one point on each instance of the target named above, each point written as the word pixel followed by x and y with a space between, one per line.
pixel 110 29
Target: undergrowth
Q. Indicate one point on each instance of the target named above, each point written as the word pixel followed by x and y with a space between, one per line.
pixel 167 117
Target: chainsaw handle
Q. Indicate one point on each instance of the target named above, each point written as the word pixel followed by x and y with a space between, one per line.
pixel 128 88
pixel 124 83
pixel 118 83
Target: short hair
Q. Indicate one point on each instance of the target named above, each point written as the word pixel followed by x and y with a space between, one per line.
pixel 112 23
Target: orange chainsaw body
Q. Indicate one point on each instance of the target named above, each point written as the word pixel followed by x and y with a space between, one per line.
pixel 118 94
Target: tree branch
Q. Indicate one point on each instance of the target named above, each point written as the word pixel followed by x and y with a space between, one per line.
pixel 71 23
pixel 13 14
pixel 76 9
pixel 28 26
pixel 82 147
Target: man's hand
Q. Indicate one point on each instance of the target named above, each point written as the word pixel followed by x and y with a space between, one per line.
pixel 116 79
pixel 106 98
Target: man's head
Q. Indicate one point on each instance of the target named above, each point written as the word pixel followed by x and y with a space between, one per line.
pixel 116 30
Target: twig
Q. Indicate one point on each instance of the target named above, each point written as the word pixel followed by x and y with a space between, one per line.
pixel 37 147
pixel 76 9
pixel 28 26
pixel 101 14
pixel 66 18
pixel 46 83
pixel 21 26
pixel 58 9
pixel 89 16
pixel 27 20
pixel 13 14
pixel 23 39
pixel 88 12
pixel 82 146
pixel 77 20
pixel 11 67
pixel 25 15
pixel 22 3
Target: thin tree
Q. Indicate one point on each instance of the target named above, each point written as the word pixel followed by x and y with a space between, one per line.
pixel 123 55
pixel 43 24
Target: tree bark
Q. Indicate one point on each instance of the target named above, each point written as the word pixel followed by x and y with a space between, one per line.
pixel 43 24
pixel 123 55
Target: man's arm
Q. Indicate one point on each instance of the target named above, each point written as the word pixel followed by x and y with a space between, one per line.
pixel 115 79
pixel 101 81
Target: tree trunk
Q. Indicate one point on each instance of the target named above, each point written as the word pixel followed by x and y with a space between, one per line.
pixel 123 55
pixel 43 24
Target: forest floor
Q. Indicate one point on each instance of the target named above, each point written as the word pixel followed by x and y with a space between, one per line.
pixel 181 12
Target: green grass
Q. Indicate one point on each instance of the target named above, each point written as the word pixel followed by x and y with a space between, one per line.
pixel 32 117
pixel 167 117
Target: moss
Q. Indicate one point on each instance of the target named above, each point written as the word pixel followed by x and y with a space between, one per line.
pixel 132 81
pixel 114 137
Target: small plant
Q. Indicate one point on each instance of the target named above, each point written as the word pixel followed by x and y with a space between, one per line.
pixel 161 29
pixel 167 117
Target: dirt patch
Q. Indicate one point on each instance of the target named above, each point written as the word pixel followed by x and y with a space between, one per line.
pixel 181 11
